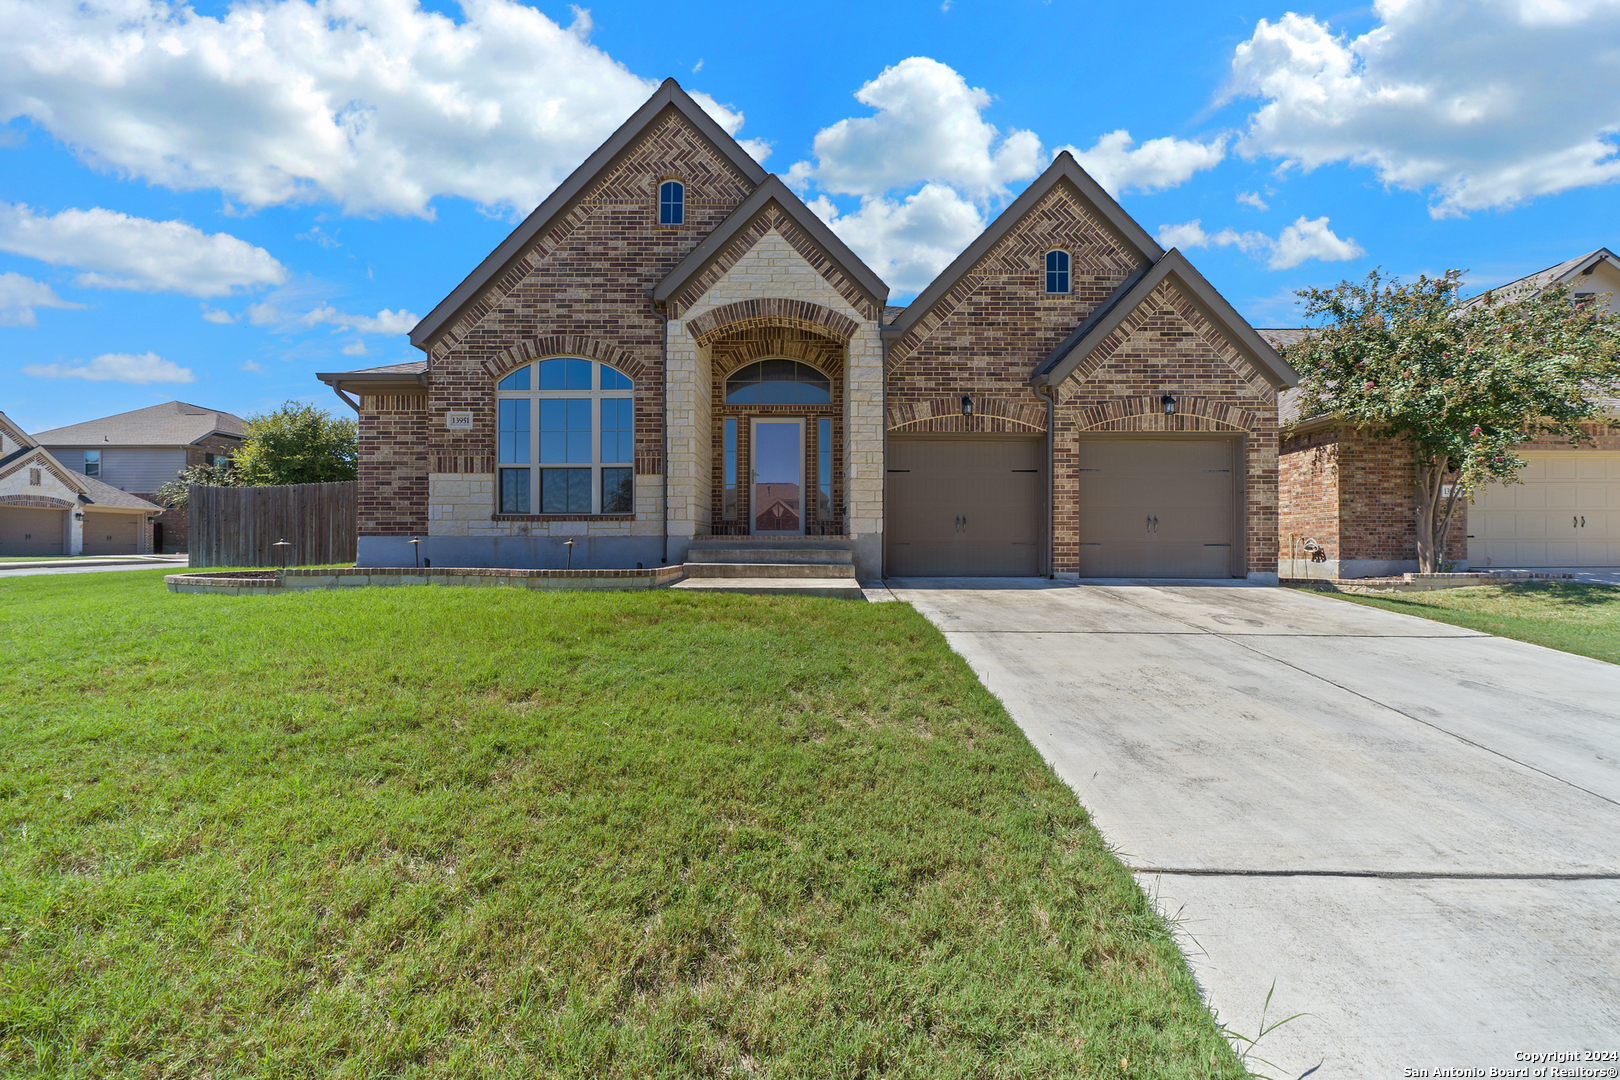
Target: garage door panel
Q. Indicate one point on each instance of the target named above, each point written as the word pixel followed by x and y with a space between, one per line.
pixel 1156 508
pixel 1566 513
pixel 964 506
pixel 27 530
pixel 111 534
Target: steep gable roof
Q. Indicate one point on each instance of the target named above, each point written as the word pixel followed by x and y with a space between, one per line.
pixel 1531 284
pixel 1073 350
pixel 13 433
pixel 1063 167
pixel 174 423
pixel 667 96
pixel 771 190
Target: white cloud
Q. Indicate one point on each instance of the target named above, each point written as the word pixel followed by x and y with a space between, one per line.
pixel 1304 239
pixel 355 348
pixel 927 128
pixel 117 251
pixel 1252 198
pixel 215 315
pixel 269 313
pixel 249 365
pixel 907 242
pixel 380 105
pixel 1155 165
pixel 20 295
pixel 1484 104
pixel 117 367
pixel 1311 240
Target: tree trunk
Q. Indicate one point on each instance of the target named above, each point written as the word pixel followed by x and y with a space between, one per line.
pixel 1434 514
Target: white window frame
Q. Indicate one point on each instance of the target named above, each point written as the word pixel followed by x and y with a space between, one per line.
pixel 96 462
pixel 596 396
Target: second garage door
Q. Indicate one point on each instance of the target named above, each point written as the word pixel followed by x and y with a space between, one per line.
pixel 1158 508
pixel 1566 513
pixel 964 506
pixel 111 534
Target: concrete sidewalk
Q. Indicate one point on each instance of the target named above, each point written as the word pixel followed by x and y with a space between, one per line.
pixel 90 564
pixel 1412 829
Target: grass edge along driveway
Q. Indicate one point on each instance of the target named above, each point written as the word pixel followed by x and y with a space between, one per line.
pixel 1573 617
pixel 489 832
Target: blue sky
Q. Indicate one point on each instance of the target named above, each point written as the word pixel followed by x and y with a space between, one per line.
pixel 213 203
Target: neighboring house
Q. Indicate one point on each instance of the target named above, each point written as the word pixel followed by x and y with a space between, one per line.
pixel 673 347
pixel 48 509
pixel 1355 495
pixel 142 450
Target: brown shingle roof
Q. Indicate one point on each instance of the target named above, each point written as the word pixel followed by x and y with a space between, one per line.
pixel 174 423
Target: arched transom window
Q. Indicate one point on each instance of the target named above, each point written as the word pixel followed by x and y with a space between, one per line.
pixel 566 439
pixel 778 382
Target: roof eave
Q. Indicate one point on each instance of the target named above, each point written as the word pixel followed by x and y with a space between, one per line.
pixel 770 189
pixel 1063 167
pixel 669 94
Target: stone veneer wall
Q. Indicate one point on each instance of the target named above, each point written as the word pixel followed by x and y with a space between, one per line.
pixel 773 260
pixel 1167 346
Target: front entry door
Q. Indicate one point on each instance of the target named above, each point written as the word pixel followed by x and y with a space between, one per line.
pixel 777 506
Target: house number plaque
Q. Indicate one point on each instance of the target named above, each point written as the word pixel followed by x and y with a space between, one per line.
pixel 458 421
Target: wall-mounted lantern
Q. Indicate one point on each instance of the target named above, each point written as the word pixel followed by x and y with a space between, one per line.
pixel 967 405
pixel 78 515
pixel 1169 403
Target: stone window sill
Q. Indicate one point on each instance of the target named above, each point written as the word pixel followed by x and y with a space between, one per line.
pixel 562 517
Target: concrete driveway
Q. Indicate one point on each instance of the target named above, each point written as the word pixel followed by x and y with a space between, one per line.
pixel 1413 830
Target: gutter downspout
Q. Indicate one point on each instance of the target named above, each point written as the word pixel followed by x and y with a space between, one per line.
pixel 347 400
pixel 664 423
pixel 1046 391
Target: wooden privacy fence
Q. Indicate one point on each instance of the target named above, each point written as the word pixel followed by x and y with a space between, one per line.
pixel 239 526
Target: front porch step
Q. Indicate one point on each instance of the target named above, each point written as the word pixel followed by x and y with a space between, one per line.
pixel 735 554
pixel 831 588
pixel 759 569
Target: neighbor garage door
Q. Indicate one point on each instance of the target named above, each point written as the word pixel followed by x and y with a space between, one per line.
pixel 964 505
pixel 1157 507
pixel 111 534
pixel 1566 513
pixel 25 530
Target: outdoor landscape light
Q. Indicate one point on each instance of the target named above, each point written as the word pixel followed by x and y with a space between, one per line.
pixel 967 405
pixel 416 551
pixel 1169 403
pixel 283 544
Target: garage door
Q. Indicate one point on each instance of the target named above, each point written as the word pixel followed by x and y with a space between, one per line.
pixel 1157 508
pixel 1566 513
pixel 964 506
pixel 25 530
pixel 111 534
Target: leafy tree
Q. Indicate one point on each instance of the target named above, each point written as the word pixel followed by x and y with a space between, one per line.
pixel 1463 385
pixel 176 494
pixel 298 444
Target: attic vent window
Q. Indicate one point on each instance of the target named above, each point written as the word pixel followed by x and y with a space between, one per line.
pixel 672 203
pixel 1057 272
pixel 35 478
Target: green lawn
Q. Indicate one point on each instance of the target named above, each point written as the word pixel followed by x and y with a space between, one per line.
pixel 1575 618
pixel 485 832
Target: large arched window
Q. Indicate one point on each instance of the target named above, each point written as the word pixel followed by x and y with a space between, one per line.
pixel 566 439
pixel 671 203
pixel 778 382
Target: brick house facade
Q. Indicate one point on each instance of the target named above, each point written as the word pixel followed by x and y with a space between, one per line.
pixel 749 277
pixel 1355 495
